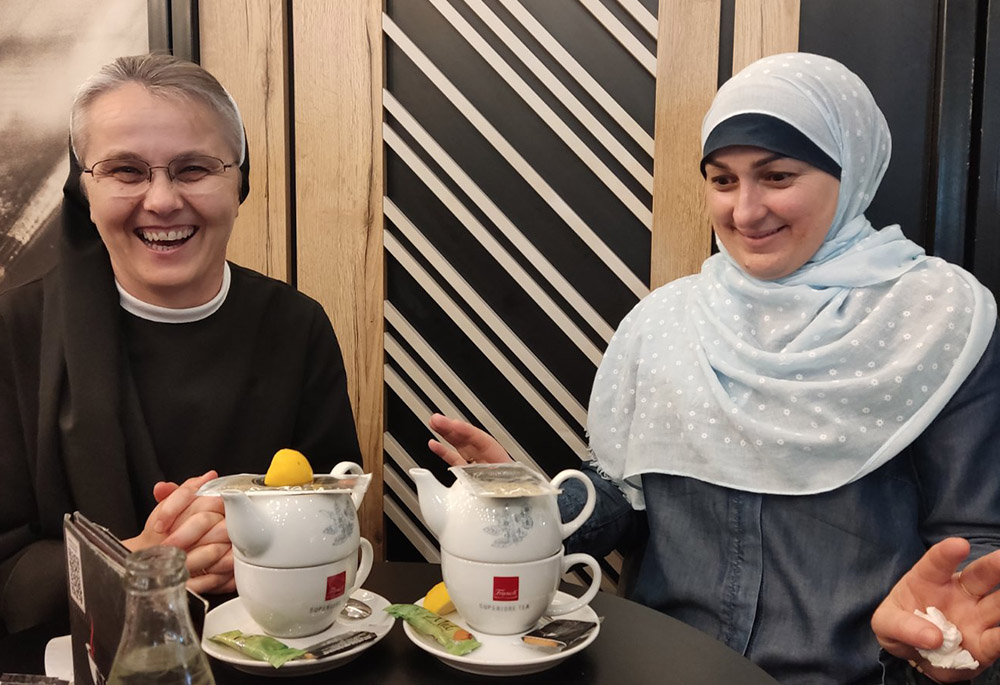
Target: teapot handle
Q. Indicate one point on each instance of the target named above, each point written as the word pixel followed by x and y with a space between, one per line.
pixel 567 529
pixel 349 468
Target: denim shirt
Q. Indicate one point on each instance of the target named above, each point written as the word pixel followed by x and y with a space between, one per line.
pixel 791 582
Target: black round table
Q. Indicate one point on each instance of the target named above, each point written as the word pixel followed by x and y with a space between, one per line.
pixel 636 645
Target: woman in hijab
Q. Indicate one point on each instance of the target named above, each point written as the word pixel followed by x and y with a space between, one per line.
pixel 811 423
pixel 144 359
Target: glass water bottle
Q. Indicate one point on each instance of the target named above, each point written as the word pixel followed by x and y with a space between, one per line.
pixel 159 645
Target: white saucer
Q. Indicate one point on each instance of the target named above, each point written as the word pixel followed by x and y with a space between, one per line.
pixel 504 655
pixel 233 616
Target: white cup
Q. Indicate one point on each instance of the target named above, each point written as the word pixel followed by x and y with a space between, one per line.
pixel 508 598
pixel 295 602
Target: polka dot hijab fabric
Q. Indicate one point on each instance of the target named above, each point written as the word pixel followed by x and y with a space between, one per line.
pixel 806 383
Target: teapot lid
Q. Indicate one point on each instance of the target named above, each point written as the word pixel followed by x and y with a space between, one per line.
pixel 504 480
pixel 253 484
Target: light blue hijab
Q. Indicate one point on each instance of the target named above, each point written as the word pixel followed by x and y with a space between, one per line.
pixel 806 383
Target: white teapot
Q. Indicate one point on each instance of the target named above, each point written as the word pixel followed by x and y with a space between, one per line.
pixel 293 526
pixel 521 526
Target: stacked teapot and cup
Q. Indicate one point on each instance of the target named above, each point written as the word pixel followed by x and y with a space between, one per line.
pixel 501 537
pixel 295 549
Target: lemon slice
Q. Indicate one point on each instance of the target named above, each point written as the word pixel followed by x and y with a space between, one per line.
pixel 288 467
pixel 438 601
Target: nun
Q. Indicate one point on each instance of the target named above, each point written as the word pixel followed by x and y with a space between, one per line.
pixel 144 364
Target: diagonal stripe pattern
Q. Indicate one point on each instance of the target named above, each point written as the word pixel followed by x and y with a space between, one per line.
pixel 518 144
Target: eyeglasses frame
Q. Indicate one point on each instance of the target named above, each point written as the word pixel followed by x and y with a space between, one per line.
pixel 149 178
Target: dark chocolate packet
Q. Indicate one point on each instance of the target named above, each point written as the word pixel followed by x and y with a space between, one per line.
pixel 559 634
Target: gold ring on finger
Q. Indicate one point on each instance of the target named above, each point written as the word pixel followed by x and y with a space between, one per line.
pixel 966 590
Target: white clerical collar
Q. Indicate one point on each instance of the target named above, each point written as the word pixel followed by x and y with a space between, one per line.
pixel 152 312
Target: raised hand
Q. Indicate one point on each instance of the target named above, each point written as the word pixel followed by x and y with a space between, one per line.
pixel 966 598
pixel 471 445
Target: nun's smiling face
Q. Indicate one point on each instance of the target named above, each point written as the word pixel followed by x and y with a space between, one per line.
pixel 166 237
pixel 771 213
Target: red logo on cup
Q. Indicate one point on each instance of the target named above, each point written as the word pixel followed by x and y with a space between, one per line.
pixel 335 585
pixel 505 588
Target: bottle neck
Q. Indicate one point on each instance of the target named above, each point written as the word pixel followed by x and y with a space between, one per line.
pixel 161 615
pixel 158 642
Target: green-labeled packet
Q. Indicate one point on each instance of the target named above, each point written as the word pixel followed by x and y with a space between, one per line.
pixel 260 647
pixel 455 639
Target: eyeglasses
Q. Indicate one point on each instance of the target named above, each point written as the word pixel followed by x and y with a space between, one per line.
pixel 129 177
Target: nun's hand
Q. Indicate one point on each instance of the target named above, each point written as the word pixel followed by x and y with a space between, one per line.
pixel 196 525
pixel 211 568
pixel 471 445
pixel 209 552
pixel 176 505
pixel 966 598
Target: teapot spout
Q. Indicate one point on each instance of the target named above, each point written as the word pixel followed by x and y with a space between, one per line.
pixel 431 497
pixel 248 529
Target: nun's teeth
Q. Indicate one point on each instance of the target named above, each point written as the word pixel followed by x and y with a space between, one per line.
pixel 177 234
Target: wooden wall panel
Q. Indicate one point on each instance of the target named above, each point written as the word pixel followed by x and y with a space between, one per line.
pixel 764 27
pixel 338 181
pixel 686 75
pixel 243 45
pixel 686 81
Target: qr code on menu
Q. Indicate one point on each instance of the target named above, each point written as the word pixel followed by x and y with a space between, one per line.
pixel 75 572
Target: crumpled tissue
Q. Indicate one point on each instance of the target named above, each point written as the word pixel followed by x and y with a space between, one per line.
pixel 949 654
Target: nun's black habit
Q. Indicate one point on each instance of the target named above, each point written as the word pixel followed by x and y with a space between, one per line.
pixel 96 404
